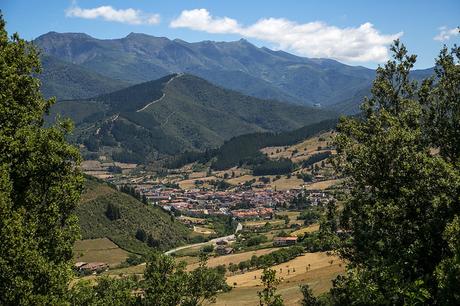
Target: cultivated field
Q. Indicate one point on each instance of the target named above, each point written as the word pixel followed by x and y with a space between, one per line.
pixel 190 183
pixel 99 250
pixel 316 269
pixel 300 151
pixel 260 223
pixel 322 185
pixel 309 229
pixel 232 258
pixel 285 183
pixel 203 230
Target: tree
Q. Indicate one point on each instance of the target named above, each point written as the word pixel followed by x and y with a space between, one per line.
pixel 112 212
pixel 286 220
pixel 141 235
pixel 203 284
pixel 107 291
pixel 404 198
pixel 308 298
pixel 268 296
pixel 232 267
pixel 167 283
pixel 209 248
pixel 243 265
pixel 152 242
pixel 40 185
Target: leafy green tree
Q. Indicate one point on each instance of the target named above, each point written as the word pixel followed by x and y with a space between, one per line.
pixel 232 267
pixel 165 281
pixel 107 291
pixel 141 235
pixel 448 271
pixel 203 284
pixel 268 295
pixel 113 212
pixel 40 185
pixel 152 242
pixel 308 299
pixel 404 197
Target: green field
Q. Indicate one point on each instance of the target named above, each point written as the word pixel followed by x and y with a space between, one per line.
pixel 99 250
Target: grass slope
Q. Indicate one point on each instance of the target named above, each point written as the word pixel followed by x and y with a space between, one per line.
pixel 134 215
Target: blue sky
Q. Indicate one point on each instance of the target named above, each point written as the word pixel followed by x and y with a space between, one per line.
pixel 353 32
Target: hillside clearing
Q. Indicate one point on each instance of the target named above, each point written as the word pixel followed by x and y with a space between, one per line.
pixel 97 250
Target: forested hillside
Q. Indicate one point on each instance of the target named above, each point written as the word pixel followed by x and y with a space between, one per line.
pixel 246 148
pixel 173 114
pixel 65 80
pixel 106 212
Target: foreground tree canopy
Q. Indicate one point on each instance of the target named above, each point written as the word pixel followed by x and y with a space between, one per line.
pixel 39 185
pixel 402 156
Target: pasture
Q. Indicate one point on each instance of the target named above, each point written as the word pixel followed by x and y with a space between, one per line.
pixel 99 250
pixel 316 269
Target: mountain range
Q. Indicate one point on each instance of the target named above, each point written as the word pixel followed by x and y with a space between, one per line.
pixel 237 65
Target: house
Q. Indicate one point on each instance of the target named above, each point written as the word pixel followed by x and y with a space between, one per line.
pixel 223 250
pixel 222 242
pixel 284 241
pixel 79 264
pixel 94 267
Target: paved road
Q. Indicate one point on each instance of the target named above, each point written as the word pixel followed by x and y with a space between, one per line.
pixel 239 227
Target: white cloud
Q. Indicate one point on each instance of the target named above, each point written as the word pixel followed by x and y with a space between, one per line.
pixel 313 39
pixel 446 34
pixel 130 16
pixel 201 20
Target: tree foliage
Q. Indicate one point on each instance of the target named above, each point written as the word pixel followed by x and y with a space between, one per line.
pixel 308 299
pixel 112 212
pixel 167 283
pixel 107 291
pixel 404 201
pixel 40 185
pixel 268 295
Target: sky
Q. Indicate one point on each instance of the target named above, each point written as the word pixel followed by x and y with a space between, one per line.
pixel 353 32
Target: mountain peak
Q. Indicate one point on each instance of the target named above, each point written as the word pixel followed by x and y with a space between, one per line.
pixel 71 35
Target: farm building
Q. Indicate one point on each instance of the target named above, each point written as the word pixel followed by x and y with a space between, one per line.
pixel 284 241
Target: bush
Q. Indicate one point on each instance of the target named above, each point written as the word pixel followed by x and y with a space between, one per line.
pixel 207 248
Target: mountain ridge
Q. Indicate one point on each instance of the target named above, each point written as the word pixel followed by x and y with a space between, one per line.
pixel 237 65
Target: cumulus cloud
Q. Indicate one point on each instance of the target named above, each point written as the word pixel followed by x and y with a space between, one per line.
pixel 130 16
pixel 446 33
pixel 201 20
pixel 313 39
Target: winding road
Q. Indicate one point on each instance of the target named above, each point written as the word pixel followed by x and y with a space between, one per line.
pixel 239 227
pixel 158 100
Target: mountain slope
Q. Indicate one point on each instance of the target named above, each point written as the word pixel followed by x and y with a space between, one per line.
pixel 69 81
pixel 134 215
pixel 176 113
pixel 235 65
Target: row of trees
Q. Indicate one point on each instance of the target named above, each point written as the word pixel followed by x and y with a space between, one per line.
pixel 267 260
